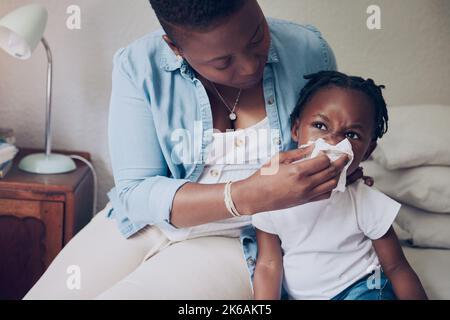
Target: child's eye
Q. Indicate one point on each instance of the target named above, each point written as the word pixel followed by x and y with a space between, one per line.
pixel 352 135
pixel 319 125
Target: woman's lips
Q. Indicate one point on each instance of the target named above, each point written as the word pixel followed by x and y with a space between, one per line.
pixel 249 84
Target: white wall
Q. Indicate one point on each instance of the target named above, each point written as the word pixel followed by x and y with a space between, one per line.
pixel 410 55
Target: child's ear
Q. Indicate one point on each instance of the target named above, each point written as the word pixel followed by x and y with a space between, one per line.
pixel 294 130
pixel 370 149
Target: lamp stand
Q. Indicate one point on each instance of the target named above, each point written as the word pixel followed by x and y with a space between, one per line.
pixel 47 163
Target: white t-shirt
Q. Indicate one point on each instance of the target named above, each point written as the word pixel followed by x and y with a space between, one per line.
pixel 327 244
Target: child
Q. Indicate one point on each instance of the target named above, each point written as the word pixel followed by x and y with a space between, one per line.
pixel 329 249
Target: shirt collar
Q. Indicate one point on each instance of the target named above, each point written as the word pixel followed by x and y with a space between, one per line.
pixel 273 55
pixel 170 62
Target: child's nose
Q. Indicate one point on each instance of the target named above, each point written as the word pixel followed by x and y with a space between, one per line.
pixel 333 139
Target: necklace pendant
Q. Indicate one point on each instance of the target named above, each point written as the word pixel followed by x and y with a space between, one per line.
pixel 233 116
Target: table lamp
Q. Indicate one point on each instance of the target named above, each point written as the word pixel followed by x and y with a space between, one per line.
pixel 20 33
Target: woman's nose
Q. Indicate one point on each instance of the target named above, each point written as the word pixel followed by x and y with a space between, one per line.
pixel 248 66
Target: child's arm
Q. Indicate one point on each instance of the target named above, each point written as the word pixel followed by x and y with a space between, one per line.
pixel 269 267
pixel 404 280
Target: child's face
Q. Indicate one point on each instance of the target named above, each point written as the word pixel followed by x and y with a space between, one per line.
pixel 334 114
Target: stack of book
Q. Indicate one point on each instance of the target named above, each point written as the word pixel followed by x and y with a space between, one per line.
pixel 8 150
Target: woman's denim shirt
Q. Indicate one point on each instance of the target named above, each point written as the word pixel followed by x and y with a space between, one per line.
pixel 160 121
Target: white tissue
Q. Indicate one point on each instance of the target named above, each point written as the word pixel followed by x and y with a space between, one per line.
pixel 333 152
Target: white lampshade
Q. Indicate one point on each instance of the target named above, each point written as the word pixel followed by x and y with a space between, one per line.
pixel 22 30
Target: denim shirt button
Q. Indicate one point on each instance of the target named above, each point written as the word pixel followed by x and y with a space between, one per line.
pixel 250 261
pixel 271 100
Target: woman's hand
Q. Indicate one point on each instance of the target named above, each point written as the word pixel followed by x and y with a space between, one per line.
pixel 290 184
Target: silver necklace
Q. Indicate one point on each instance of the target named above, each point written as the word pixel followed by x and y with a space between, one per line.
pixel 232 114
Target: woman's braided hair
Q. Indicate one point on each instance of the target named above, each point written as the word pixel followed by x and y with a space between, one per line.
pixel 327 79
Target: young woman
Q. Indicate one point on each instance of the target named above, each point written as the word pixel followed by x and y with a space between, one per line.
pixel 175 230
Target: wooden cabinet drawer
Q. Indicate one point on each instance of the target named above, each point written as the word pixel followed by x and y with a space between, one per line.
pixel 39 214
pixel 31 235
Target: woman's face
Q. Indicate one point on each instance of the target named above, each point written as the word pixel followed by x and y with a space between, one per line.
pixel 232 54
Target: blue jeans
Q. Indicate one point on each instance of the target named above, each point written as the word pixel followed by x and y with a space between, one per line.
pixel 366 290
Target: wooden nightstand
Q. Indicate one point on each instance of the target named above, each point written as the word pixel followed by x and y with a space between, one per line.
pixel 39 214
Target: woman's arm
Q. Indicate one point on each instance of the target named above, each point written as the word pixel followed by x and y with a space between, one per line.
pixel 143 190
pixel 404 280
pixel 269 267
pixel 290 185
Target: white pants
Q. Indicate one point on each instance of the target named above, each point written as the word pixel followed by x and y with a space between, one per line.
pixel 146 266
